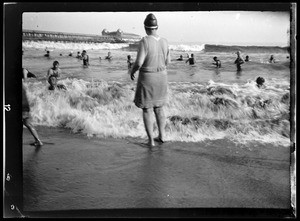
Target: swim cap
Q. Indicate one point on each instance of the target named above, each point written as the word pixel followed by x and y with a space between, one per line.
pixel 150 21
pixel 260 80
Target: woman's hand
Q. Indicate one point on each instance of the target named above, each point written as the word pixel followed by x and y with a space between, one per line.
pixel 132 76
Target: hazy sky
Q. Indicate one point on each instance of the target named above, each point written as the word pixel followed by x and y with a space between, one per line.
pixel 217 27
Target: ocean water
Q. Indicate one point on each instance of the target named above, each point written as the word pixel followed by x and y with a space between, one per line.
pixel 204 102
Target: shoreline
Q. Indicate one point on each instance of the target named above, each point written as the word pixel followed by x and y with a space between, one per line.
pixel 76 172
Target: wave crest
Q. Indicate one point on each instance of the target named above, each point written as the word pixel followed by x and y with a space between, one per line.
pixel 184 47
pixel 194 112
pixel 72 46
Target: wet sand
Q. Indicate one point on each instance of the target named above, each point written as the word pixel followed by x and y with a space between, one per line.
pixel 78 173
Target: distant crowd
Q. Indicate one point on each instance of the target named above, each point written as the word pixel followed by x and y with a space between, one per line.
pixel 54 73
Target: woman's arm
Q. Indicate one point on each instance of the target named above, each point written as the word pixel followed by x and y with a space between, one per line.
pixel 168 59
pixel 49 73
pixel 25 72
pixel 139 59
pixel 59 72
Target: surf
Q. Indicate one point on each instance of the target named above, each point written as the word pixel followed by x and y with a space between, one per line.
pixel 195 112
pixel 51 45
pixel 245 49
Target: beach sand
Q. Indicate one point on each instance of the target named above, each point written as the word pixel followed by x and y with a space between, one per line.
pixel 76 172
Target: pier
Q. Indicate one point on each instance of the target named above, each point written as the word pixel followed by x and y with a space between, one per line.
pixel 106 37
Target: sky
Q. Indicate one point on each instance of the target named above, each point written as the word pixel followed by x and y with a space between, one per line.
pixel 210 27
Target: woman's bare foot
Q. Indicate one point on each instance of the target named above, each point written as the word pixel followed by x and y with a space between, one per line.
pixel 151 143
pixel 158 139
pixel 37 143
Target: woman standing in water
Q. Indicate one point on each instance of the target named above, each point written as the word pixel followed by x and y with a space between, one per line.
pixel 85 59
pixel 26 118
pixel 239 61
pixel 151 92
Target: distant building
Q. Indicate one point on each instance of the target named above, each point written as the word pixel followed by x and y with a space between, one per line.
pixel 121 36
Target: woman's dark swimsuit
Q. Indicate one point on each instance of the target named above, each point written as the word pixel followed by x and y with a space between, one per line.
pixel 191 61
pixel 86 60
pixel 54 74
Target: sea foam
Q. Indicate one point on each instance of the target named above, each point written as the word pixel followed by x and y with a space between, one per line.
pixel 195 112
pixel 71 46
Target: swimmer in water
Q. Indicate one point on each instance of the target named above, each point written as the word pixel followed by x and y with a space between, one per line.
pixel 108 57
pixel 272 59
pixel 180 58
pixel 53 84
pixel 78 55
pixel 191 60
pixel 48 54
pixel 217 62
pixel 85 59
pixel 54 71
pixel 239 61
pixel 129 62
pixel 260 82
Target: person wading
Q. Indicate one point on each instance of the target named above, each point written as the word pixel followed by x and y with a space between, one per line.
pixel 152 84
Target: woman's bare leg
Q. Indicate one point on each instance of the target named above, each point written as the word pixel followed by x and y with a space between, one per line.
pixel 33 132
pixel 148 125
pixel 161 122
